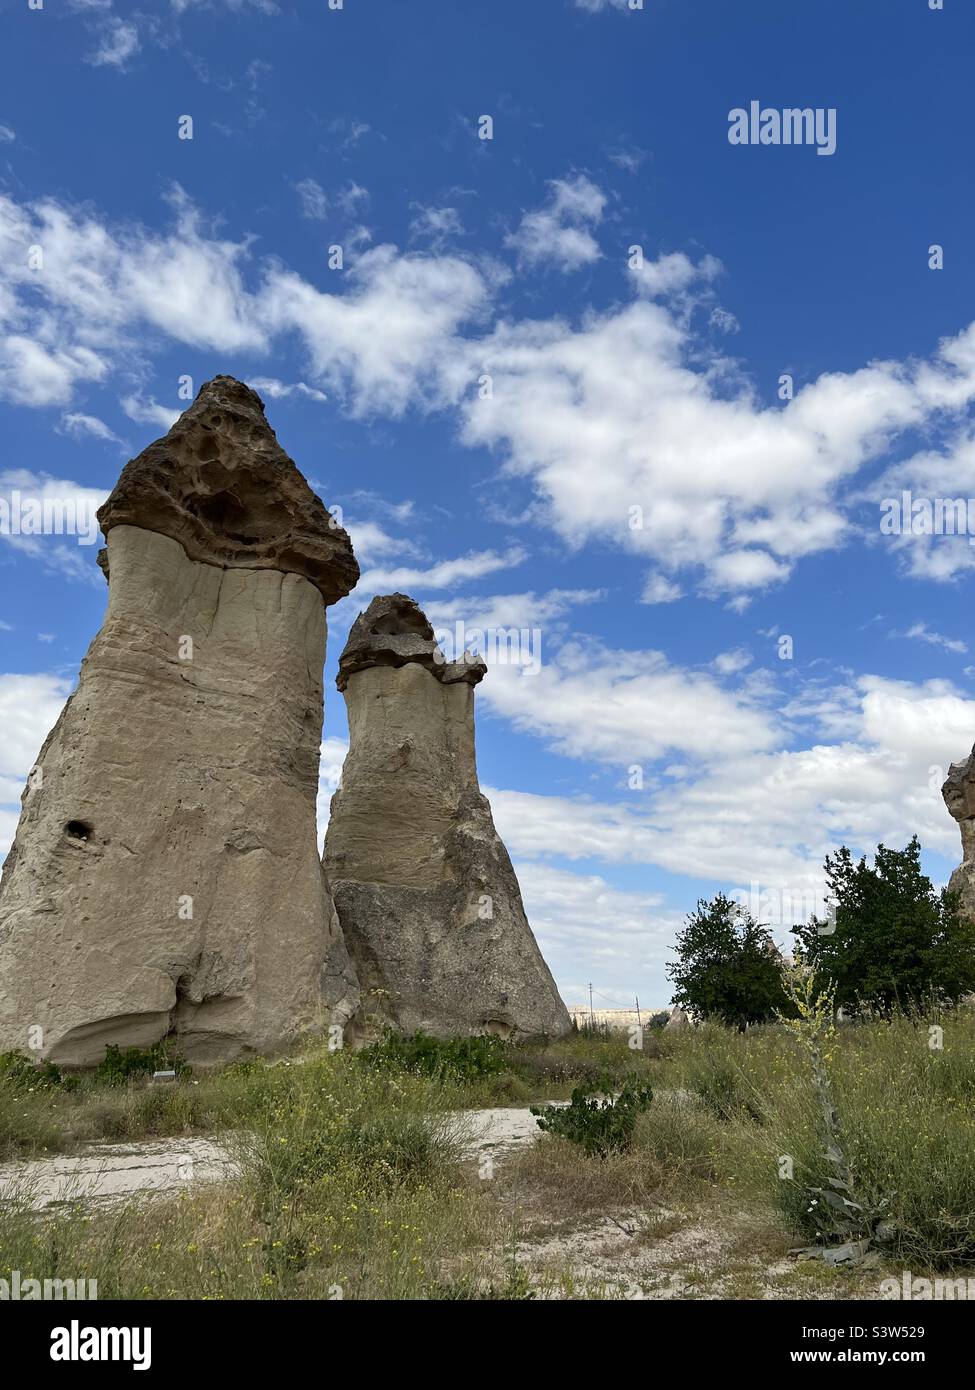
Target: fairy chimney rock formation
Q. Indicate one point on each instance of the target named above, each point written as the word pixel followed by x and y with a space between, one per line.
pixel 959 796
pixel 429 905
pixel 165 878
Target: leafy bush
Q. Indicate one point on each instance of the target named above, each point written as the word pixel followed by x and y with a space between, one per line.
pixel 117 1068
pixel 722 1089
pixel 460 1060
pixel 600 1126
pixel 331 1115
pixel 22 1074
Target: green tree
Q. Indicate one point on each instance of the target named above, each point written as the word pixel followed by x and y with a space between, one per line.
pixel 727 966
pixel 890 941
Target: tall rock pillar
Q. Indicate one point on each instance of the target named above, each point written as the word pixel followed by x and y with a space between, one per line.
pixel 165 878
pixel 959 796
pixel 429 905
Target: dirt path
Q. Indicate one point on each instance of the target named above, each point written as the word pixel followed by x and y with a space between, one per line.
pixel 112 1171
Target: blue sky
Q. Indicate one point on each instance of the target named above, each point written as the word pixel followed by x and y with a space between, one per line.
pixel 612 388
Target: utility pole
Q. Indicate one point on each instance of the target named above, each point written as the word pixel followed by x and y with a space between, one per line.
pixel 638 1018
pixel 592 1016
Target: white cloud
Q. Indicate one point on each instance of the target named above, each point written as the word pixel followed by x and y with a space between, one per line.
pixel 625 411
pixel 350 197
pixel 279 390
pixel 536 826
pixel 70 318
pixel 79 425
pixel 436 225
pixel 527 610
pixel 8 827
pixel 673 274
pixel 724 321
pixel 265 6
pixel 67 508
pixel 350 130
pixel 729 663
pixel 747 569
pixel 7 134
pixel 659 589
pixel 922 633
pixel 371 540
pixel 558 235
pixel 768 816
pixel 329 777
pixel 167 280
pixel 149 412
pixel 589 930
pixel 624 707
pixel 628 438
pixel 314 203
pixel 948 474
pixel 35 375
pixel 318 205
pixel 628 159
pixel 118 42
pixel 383 344
pixel 29 708
pixel 442 575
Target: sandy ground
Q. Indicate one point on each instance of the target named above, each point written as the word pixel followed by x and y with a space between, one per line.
pixel 114 1170
pixel 106 1171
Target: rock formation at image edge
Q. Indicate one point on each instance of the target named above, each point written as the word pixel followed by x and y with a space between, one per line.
pixel 429 905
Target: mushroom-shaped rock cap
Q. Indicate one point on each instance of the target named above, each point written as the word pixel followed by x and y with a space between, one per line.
pixel 959 789
pixel 220 484
pixel 394 631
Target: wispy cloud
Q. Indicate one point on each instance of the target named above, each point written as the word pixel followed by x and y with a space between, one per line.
pixel 318 205
pixel 280 390
pixel 118 42
pixel 922 633
pixel 442 575
pixel 81 426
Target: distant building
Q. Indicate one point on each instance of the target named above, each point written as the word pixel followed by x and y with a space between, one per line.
pixel 615 1020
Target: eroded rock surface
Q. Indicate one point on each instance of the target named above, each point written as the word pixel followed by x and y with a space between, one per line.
pixel 959 796
pixel 429 905
pixel 165 875
pixel 220 484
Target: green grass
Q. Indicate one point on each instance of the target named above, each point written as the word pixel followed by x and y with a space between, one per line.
pixel 349 1186
pixel 906 1126
pixel 117 1102
pixel 352 1181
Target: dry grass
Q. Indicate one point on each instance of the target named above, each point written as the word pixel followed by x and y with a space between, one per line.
pixel 354 1184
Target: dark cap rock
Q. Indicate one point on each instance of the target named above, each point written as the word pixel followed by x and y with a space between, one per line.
pixel 394 631
pixel 220 484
